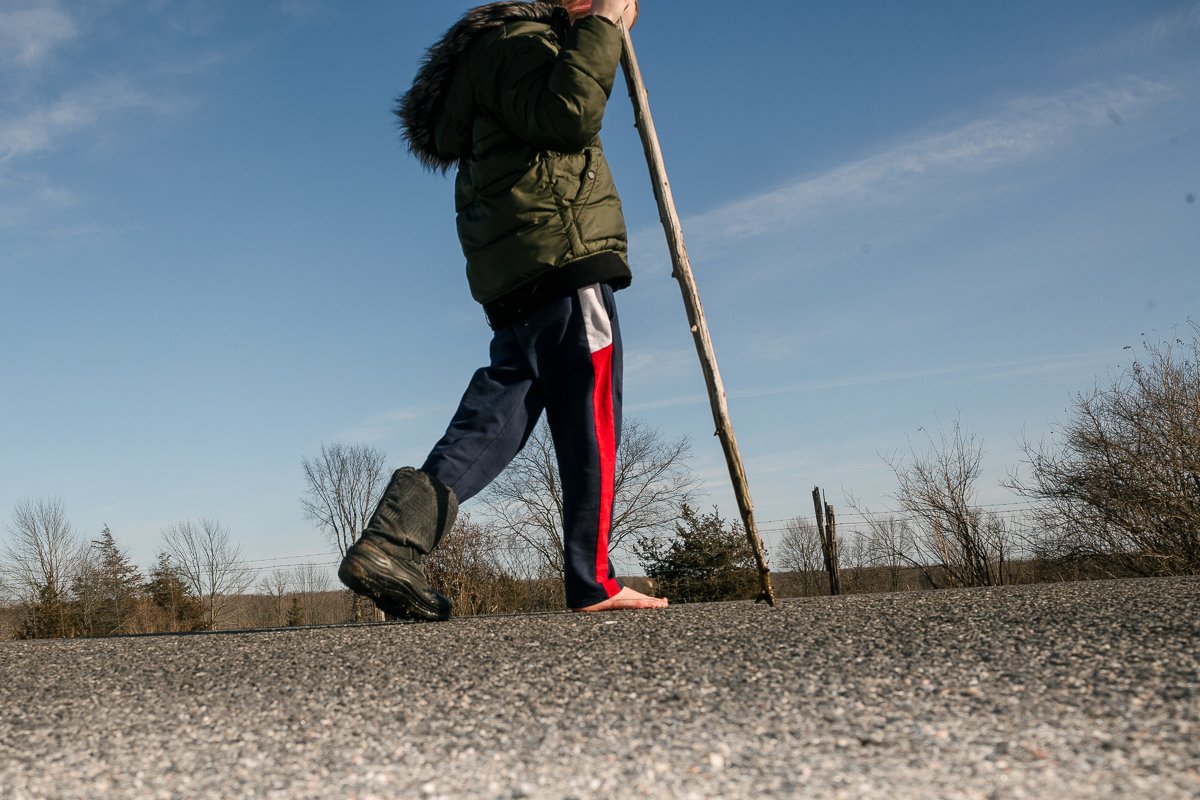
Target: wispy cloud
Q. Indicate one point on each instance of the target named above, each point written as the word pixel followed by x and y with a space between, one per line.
pixel 678 401
pixel 303 10
pixel 1019 132
pixel 995 370
pixel 29 35
pixel 42 129
pixel 1164 31
pixel 656 365
pixel 381 426
pixel 28 196
pixel 53 104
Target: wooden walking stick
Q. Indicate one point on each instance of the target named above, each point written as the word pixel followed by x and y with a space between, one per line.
pixel 682 272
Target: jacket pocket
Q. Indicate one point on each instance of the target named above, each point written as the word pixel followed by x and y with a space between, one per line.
pixel 587 177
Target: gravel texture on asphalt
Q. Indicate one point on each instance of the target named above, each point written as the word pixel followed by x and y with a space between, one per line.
pixel 1054 691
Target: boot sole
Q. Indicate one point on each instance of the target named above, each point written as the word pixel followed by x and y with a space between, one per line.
pixel 377 577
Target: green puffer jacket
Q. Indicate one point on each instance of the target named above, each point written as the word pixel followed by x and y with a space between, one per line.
pixel 515 95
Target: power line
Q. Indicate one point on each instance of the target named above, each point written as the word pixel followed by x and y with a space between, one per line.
pixel 1019 506
pixel 281 558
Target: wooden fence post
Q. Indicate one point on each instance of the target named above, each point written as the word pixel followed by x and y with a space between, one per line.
pixel 827 528
pixel 835 567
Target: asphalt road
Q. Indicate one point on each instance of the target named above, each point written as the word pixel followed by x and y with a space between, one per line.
pixel 1053 691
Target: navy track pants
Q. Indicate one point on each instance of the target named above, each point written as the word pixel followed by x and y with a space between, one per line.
pixel 564 359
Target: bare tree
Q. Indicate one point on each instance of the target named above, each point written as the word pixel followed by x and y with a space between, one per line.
pixel 652 482
pixel 309 579
pixel 800 552
pixel 210 563
pixel 311 585
pixel 854 560
pixel 467 568
pixel 343 485
pixel 887 547
pixel 86 594
pixel 526 500
pixel 275 587
pixel 1121 480
pixel 42 558
pixel 937 490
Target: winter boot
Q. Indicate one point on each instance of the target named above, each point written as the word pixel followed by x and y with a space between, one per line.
pixel 385 563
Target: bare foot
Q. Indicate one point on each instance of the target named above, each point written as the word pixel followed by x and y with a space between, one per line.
pixel 627 599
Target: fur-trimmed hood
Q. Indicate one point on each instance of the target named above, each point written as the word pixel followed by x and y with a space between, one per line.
pixel 421 106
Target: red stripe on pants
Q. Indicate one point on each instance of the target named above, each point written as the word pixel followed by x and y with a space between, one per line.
pixel 606 445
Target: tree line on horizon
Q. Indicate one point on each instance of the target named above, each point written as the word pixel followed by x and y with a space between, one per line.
pixel 66 587
pixel 1113 491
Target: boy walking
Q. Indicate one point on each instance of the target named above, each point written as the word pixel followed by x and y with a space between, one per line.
pixel 513 95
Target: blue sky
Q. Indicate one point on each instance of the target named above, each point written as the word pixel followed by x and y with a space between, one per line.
pixel 215 255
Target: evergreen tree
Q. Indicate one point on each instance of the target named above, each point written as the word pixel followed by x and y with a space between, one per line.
pixel 706 560
pixel 170 594
pixel 86 595
pixel 48 615
pixel 295 614
pixel 115 584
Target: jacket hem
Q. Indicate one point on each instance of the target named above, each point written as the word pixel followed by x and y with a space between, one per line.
pixel 511 307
